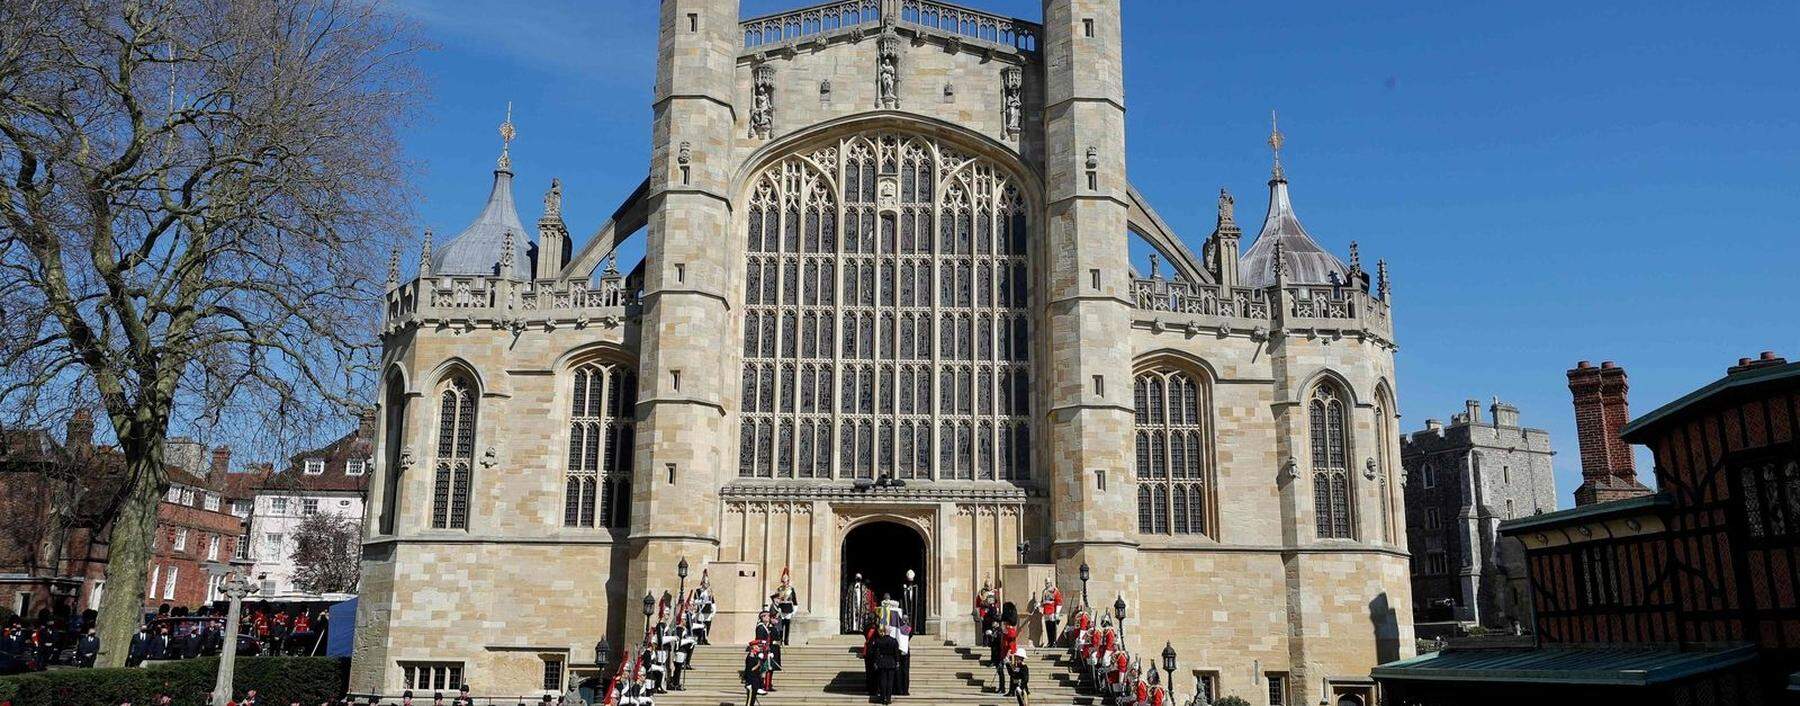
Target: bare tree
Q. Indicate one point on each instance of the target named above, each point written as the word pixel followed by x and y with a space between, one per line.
pixel 327 553
pixel 195 197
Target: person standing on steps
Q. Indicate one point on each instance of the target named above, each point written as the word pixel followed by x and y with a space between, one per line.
pixel 769 634
pixel 850 614
pixel 785 601
pixel 909 594
pixel 1020 673
pixel 903 676
pixel 886 660
pixel 1050 607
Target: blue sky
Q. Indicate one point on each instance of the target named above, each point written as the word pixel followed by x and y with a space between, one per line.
pixel 1549 182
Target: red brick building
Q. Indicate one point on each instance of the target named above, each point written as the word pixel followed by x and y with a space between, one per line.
pixel 52 549
pixel 1686 596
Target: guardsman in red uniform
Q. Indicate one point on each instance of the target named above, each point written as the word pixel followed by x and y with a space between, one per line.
pixel 1050 607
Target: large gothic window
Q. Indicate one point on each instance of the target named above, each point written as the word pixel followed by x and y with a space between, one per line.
pixel 886 325
pixel 1173 453
pixel 1385 435
pixel 1330 464
pixel 601 414
pixel 455 456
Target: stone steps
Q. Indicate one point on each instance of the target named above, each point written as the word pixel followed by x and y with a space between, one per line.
pixel 829 671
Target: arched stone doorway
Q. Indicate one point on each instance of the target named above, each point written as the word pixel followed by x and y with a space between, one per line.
pixel 881 552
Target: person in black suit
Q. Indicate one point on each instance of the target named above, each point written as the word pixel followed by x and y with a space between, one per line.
pixel 885 657
pixel 87 649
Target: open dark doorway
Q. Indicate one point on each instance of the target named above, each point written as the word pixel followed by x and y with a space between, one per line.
pixel 882 552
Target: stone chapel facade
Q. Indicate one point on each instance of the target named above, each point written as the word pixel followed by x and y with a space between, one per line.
pixel 886 320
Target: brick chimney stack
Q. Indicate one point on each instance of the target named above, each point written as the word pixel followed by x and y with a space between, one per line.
pixel 80 434
pixel 1607 470
pixel 221 459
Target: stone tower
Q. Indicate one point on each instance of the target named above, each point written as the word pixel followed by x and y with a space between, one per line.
pixel 1087 305
pixel 682 380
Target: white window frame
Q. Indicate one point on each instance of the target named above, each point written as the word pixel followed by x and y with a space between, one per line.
pixel 181 537
pixel 314 466
pixel 169 581
pixel 309 507
pixel 356 466
pixel 272 542
pixel 278 505
pixel 212 547
pixel 211 501
pixel 155 577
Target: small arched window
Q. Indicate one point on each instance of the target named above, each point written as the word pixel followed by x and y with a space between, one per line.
pixel 1330 462
pixel 454 461
pixel 1172 456
pixel 601 438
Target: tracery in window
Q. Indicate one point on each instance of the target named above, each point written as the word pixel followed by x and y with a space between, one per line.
pixel 915 317
pixel 1173 454
pixel 602 406
pixel 454 460
pixel 1330 464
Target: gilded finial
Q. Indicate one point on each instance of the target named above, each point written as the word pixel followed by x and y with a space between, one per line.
pixel 1276 140
pixel 506 137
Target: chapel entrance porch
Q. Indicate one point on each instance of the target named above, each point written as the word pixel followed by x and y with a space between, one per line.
pixel 881 552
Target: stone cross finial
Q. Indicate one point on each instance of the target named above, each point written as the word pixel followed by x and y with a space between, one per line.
pixel 553 198
pixel 425 256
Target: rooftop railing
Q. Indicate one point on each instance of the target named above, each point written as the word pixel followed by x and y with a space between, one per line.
pixel 498 299
pixel 1306 306
pixel 926 15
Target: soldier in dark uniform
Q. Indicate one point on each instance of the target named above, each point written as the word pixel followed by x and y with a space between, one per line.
pixel 885 659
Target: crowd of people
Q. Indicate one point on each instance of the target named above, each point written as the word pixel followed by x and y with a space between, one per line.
pixel 262 630
pixel 50 640
pixel 659 661
pixel 167 634
pixel 1114 671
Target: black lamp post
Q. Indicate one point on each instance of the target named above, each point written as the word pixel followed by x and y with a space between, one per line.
pixel 1024 547
pixel 601 654
pixel 1119 612
pixel 681 571
pixel 1084 579
pixel 1168 665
